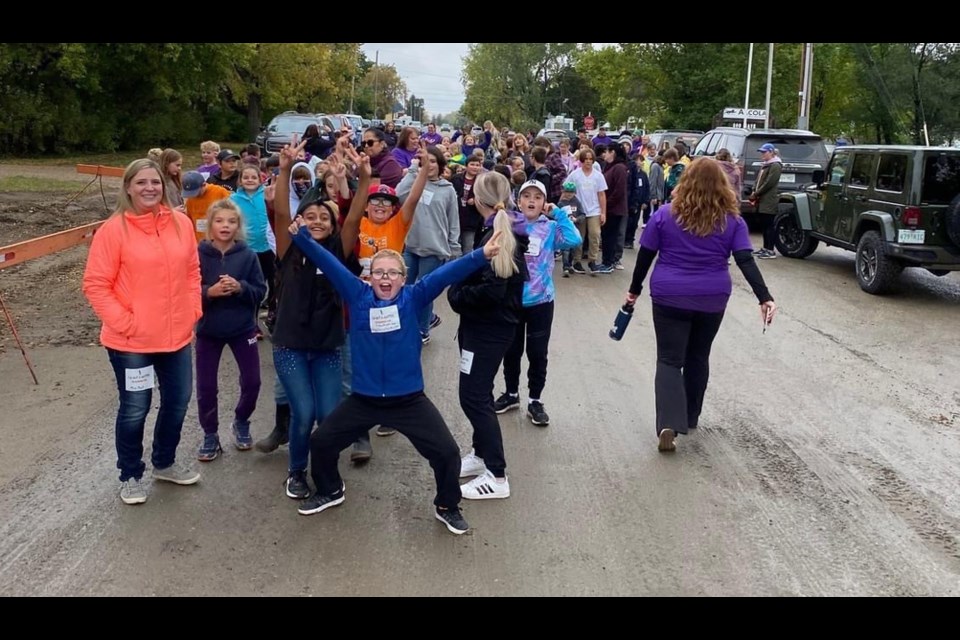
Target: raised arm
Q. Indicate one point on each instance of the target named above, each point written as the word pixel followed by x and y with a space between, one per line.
pixel 281 200
pixel 351 225
pixel 565 234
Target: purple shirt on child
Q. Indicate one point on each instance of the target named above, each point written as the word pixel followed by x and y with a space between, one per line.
pixel 692 272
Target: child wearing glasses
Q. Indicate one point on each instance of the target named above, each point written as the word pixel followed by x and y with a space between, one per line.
pixel 387 376
pixel 380 229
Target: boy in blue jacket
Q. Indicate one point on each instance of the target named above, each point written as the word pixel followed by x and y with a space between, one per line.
pixel 387 377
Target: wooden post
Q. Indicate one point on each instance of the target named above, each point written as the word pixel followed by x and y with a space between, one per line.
pixel 38 247
pixel 16 337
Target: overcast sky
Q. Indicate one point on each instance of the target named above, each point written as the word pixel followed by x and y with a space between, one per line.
pixel 431 70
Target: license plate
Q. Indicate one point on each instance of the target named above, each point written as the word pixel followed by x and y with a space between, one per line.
pixel 788 177
pixel 908 236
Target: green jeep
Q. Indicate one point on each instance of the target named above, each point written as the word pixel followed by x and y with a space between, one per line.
pixel 895 206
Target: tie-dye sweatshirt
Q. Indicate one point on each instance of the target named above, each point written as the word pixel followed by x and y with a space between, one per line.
pixel 547 236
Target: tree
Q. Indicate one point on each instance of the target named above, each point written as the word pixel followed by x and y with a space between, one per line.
pixel 378 90
pixel 268 77
pixel 514 84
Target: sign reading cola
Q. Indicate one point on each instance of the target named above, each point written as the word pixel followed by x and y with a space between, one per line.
pixel 738 113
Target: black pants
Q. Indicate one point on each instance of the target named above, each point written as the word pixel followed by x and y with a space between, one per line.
pixel 633 223
pixel 535 325
pixel 268 264
pixel 482 350
pixel 412 415
pixel 769 231
pixel 684 339
pixel 611 234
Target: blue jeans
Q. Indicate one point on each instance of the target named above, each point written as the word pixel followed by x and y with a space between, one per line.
pixel 174 373
pixel 313 382
pixel 417 268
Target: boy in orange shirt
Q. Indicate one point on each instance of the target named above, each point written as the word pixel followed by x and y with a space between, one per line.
pixel 198 196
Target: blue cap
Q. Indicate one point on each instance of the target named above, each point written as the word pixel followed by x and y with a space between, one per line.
pixel 192 184
pixel 764 148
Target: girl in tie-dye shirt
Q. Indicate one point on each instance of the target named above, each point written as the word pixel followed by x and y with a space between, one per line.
pixel 546 236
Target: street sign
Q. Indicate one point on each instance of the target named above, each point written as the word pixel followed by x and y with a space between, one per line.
pixel 588 122
pixel 738 113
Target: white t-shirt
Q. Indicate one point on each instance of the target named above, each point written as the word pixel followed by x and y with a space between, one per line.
pixel 588 188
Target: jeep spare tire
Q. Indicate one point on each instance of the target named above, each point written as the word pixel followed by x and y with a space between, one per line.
pixel 953 220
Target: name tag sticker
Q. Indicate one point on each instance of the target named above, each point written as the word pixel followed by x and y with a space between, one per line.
pixel 384 320
pixel 533 249
pixel 427 197
pixel 466 362
pixel 139 379
pixel 202 225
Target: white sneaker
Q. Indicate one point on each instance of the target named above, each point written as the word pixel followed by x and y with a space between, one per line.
pixel 485 487
pixel 471 465
pixel 132 491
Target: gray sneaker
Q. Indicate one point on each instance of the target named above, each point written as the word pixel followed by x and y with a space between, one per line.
pixel 132 491
pixel 177 474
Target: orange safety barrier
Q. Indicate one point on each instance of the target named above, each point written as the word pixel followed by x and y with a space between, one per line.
pixel 44 245
pixel 100 170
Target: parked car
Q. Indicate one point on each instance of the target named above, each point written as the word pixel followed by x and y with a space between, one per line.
pixel 279 132
pixel 664 139
pixel 802 153
pixel 556 135
pixel 356 123
pixel 894 206
pixel 446 130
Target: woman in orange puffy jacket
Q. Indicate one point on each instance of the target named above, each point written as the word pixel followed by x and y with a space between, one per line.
pixel 143 282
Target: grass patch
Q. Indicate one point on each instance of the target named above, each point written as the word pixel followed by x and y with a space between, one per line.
pixel 37 185
pixel 191 157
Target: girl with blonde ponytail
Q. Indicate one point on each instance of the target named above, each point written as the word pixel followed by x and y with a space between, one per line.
pixel 490 303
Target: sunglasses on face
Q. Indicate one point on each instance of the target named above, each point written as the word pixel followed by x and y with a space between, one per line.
pixel 380 202
pixel 370 143
pixel 380 274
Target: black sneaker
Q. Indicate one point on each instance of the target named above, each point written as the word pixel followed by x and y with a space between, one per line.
pixel 435 321
pixel 506 402
pixel 317 503
pixel 453 518
pixel 537 415
pixel 296 486
pixel 578 268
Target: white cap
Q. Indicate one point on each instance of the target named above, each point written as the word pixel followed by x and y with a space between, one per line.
pixel 536 184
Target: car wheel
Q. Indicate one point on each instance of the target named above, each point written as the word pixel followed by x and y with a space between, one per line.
pixel 791 240
pixel 876 271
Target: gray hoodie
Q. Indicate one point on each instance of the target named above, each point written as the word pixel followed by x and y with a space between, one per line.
pixel 436 223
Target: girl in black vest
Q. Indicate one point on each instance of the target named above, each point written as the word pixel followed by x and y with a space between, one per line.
pixel 309 331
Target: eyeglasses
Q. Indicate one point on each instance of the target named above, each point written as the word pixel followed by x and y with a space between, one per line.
pixel 380 274
pixel 370 143
pixel 380 202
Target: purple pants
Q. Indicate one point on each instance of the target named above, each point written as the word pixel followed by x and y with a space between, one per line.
pixel 247 354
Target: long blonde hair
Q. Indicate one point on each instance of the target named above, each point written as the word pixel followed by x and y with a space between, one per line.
pixel 494 188
pixel 703 198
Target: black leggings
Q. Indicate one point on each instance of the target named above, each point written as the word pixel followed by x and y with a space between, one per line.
pixel 535 325
pixel 684 339
pixel 482 349
pixel 268 264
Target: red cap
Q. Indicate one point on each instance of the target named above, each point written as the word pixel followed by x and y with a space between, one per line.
pixel 383 191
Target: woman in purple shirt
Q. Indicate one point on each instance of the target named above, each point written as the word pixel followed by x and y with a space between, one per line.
pixel 694 236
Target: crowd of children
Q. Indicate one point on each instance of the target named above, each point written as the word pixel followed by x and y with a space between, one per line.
pixel 342 251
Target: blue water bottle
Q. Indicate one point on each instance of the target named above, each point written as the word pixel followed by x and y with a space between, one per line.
pixel 621 321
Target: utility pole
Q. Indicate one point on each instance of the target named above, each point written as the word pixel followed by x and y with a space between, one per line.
pixel 353 81
pixel 746 99
pixel 376 78
pixel 766 117
pixel 803 122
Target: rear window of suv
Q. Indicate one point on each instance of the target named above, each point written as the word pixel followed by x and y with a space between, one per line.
pixel 795 149
pixel 941 179
pixel 292 124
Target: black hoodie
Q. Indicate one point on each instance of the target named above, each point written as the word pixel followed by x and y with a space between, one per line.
pixel 484 298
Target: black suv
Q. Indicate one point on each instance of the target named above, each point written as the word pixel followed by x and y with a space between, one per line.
pixel 895 206
pixel 279 132
pixel 802 153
